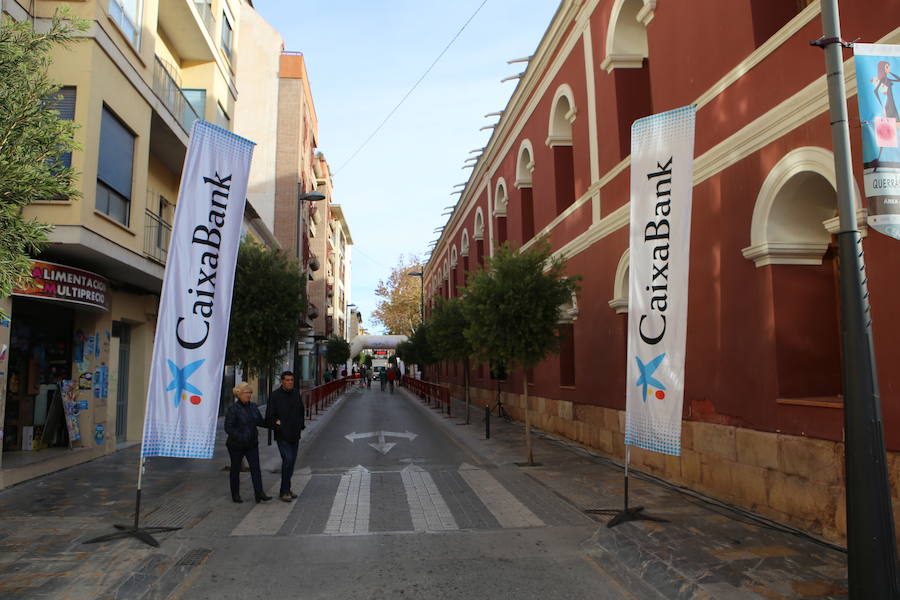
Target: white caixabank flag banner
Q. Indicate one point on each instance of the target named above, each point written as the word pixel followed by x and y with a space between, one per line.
pixel 662 173
pixel 195 307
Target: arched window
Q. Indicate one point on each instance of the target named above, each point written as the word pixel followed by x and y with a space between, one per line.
pixel 619 301
pixel 791 238
pixel 454 267
pixel 464 253
pixel 524 169
pixel 501 201
pixel 559 138
pixel 478 234
pixel 627 56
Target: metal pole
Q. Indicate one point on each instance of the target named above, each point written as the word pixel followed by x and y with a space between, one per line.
pixel 872 554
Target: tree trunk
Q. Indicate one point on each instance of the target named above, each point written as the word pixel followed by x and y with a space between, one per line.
pixel 527 419
pixel 466 377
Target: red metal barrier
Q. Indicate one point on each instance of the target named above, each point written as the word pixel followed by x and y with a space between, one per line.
pixel 317 398
pixel 435 395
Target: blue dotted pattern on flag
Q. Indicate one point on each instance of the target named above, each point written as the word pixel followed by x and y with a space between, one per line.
pixel 644 432
pixel 221 139
pixel 675 124
pixel 179 440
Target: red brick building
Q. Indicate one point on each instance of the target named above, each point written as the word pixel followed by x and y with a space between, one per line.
pixel 763 417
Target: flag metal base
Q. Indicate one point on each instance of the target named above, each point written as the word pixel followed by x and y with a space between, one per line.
pixel 136 531
pixel 634 513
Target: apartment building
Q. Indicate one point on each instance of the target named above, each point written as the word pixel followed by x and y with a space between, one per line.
pixel 135 82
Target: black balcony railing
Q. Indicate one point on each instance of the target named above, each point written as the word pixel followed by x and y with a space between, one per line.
pixel 156 237
pixel 168 89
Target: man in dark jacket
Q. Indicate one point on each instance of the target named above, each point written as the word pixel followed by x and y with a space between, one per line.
pixel 284 414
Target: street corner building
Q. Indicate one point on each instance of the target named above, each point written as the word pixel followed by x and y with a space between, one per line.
pixel 762 417
pixel 75 353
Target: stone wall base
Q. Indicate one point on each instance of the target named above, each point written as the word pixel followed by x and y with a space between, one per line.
pixel 794 480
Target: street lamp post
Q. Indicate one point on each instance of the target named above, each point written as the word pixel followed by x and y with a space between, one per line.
pixel 313 196
pixel 421 277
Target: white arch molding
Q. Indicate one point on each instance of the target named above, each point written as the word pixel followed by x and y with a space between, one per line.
pixel 626 37
pixel 478 231
pixel 562 115
pixel 502 198
pixel 619 302
pixel 524 164
pixel 464 243
pixel 454 257
pixel 795 211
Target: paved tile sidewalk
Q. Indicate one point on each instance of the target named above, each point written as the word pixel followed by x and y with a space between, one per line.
pixel 706 551
pixel 44 522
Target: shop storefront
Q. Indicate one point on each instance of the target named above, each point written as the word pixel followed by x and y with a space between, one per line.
pixel 56 362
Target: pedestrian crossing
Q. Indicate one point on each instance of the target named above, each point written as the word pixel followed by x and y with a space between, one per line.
pixel 358 501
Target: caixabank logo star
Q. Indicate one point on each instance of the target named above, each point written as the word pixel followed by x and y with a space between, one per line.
pixel 651 385
pixel 181 385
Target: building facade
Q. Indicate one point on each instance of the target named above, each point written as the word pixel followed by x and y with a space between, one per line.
pixel 763 415
pixel 135 82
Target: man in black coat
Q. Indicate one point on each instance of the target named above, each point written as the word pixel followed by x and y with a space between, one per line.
pixel 285 414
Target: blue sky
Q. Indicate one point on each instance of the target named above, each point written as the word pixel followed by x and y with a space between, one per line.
pixel 362 57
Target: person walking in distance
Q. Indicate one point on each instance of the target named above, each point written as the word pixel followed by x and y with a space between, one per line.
pixel 285 414
pixel 391 376
pixel 241 420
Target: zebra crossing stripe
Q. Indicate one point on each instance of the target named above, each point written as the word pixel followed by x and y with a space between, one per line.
pixel 267 518
pixel 427 507
pixel 508 511
pixel 351 506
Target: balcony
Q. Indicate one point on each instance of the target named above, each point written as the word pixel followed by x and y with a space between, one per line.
pixel 190 28
pixel 205 10
pixel 156 237
pixel 167 88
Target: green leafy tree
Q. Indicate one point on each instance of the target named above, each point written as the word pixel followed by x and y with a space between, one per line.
pixel 34 142
pixel 417 350
pixel 367 360
pixel 337 351
pixel 446 335
pixel 513 310
pixel 261 328
pixel 399 308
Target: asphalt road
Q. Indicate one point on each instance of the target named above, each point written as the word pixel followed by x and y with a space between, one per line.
pixel 402 508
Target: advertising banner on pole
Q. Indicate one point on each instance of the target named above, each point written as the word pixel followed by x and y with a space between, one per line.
pixel 877 70
pixel 662 181
pixel 195 307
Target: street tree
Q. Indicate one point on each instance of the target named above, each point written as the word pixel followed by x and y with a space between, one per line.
pixel 513 311
pixel 417 350
pixel 446 336
pixel 35 143
pixel 337 351
pixel 399 307
pixel 264 318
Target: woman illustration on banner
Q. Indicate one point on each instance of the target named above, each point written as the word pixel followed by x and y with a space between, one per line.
pixel 884 83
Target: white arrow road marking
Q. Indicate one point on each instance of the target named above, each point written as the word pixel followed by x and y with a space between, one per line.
pixel 508 511
pixel 266 518
pixel 381 445
pixel 427 507
pixel 350 509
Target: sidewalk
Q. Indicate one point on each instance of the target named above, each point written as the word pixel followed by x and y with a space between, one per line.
pixel 706 551
pixel 44 522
